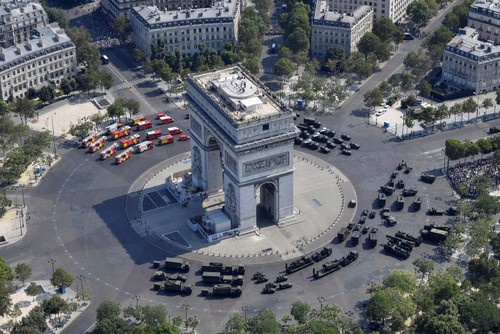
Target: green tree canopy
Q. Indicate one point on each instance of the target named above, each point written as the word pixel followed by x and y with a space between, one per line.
pixel 23 272
pixel 61 278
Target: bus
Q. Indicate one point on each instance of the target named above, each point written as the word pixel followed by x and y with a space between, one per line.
pixel 104 59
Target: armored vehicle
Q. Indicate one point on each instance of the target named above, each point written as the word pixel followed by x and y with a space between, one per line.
pixel 452 211
pixel 324 253
pixel 364 212
pixel 400 202
pixel 493 130
pixel 345 137
pixel 355 237
pixel 396 250
pixel 337 140
pixel 371 215
pixel 350 258
pixel 405 244
pixel 259 277
pixel 268 289
pixel 319 138
pixel 402 165
pixel 177 277
pixel 284 285
pixel 328 268
pixel 387 190
pixel 409 192
pixel 344 146
pixel 352 203
pixel 381 199
pixel 346 152
pixel 394 175
pixel 308 143
pixel 304 261
pixel 391 183
pixel 226 290
pixel 372 237
pixel 418 203
pixel 365 230
pixel 427 178
pixel 298 141
pixel 324 149
pixel 362 219
pixel 435 212
pixel 385 213
pixel 391 221
pixel 355 146
pixel 330 144
pixel 308 128
pixel 408 170
pixel 281 278
pixel 400 184
pixel 406 236
pixel 159 276
pixel 312 121
pixel 178 286
pixel 343 233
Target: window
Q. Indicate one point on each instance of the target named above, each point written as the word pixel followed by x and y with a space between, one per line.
pixel 265 127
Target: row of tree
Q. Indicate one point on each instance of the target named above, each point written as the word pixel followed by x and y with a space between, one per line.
pixel 456 149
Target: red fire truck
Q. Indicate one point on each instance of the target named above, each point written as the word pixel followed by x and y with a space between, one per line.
pixel 124 156
pixel 164 140
pixel 143 125
pixel 131 140
pixel 144 146
pixel 89 140
pixel 97 145
pixel 166 119
pixel 108 152
pixel 113 127
pixel 118 133
pixel 160 115
pixel 150 135
pixel 137 119
pixel 184 137
pixel 174 130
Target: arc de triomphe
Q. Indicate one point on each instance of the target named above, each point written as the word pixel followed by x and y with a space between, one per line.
pixel 242 143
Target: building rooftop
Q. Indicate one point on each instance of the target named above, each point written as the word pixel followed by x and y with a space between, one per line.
pixel 152 15
pixel 50 36
pixel 466 43
pixel 322 13
pixel 239 94
pixel 488 5
pixel 19 8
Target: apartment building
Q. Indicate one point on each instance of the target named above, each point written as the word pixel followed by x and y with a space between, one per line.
pixel 330 28
pixel 45 59
pixel 186 29
pixel 116 8
pixel 393 9
pixel 18 20
pixel 471 64
pixel 484 16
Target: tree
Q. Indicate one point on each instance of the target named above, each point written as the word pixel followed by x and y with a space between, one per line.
pixel 299 311
pixel 454 149
pixel 23 108
pixel 66 86
pixel 33 290
pixel 123 28
pixel 47 93
pixel 335 57
pixel 486 206
pixel 5 108
pixel 23 271
pixel 469 106
pixel 153 314
pixel 425 88
pixel 369 43
pixel 108 310
pixel 264 323
pixel 419 12
pixel 487 103
pixel 138 54
pixel 177 321
pixel 424 267
pixel 6 277
pixel 81 130
pixel 298 40
pixel 252 65
pixel 235 324
pixel 387 31
pixel 374 97
pixel 56 15
pixel 61 278
pixel 402 280
pixel 55 305
pixel 192 322
pixel 115 325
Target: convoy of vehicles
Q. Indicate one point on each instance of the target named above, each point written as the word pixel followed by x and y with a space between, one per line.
pixel 108 152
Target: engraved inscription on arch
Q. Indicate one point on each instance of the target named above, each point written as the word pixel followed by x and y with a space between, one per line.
pixel 266 164
pixel 196 126
pixel 230 162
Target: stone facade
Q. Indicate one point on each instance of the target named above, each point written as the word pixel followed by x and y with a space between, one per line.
pixel 484 16
pixel 18 20
pixel 116 8
pixel 330 28
pixel 470 64
pixel 43 60
pixel 393 9
pixel 242 144
pixel 186 29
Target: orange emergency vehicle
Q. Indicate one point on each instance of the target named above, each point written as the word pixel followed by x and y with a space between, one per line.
pixel 89 140
pixel 137 119
pixel 124 156
pixel 122 132
pixel 164 140
pixel 144 146
pixel 143 125
pixel 174 130
pixel 97 145
pixel 166 119
pixel 108 152
pixel 150 135
pixel 131 140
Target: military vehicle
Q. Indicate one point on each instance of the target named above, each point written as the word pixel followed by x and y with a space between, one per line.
pixel 396 250
pixel 427 178
pixel 402 165
pixel 223 290
pixel 308 143
pixel 362 219
pixel 355 237
pixel 159 276
pixel 364 212
pixel 281 278
pixel 319 138
pixel 344 146
pixel 434 233
pixel 177 264
pixel 493 130
pixel 346 152
pixel 365 230
pixel 418 203
pixel 304 261
pixel 406 236
pixel 328 268
pixel 218 278
pixel 391 221
pixel 177 277
pixel 312 121
pixel 385 213
pixel 400 202
pixel 350 258
pixel 304 135
pixel 372 214
pixel 381 199
pixel 269 288
pixel 435 212
pixel 324 149
pixel 407 192
pixel 324 253
pixel 284 285
pixel 343 233
pixel 372 237
pixel 156 264
pixel 298 141
pixel 327 132
pixel 405 244
pixel 308 128
pixel 408 170
pixel 453 211
pixel 259 277
pixel 355 146
pixel 394 175
pixel 178 286
pixel 352 203
pixel 345 137
pixel 387 190
pixel 330 144
pixel 338 141
pixel 400 184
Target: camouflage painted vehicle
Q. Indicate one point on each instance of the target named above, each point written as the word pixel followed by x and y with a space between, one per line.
pixel 387 190
pixel 284 285
pixel 427 178
pixel 400 202
pixel 281 278
pixel 372 237
pixel 400 184
pixel 324 253
pixel 391 221
pixel 304 261
pixel 381 199
pixel 268 289
pixel 435 212
pixel 407 192
pixel 418 203
pixel 177 277
pixel 406 236
pixel 394 249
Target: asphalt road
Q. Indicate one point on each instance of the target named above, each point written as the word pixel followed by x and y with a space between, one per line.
pixel 78 217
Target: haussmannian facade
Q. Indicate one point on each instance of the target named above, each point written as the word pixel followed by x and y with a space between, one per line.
pixel 471 64
pixel 484 16
pixel 330 28
pixel 18 19
pixel 116 8
pixel 186 29
pixel 45 59
pixel 393 9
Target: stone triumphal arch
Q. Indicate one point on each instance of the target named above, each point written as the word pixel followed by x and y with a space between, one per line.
pixel 242 144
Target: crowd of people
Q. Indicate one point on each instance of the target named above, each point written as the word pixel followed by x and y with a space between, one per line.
pixel 466 173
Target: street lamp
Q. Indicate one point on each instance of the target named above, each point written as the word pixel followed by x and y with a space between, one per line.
pixel 321 301
pixel 52 261
pixel 22 192
pixel 245 309
pixel 477 108
pixel 185 307
pixel 81 278
pixel 136 297
pixel 403 117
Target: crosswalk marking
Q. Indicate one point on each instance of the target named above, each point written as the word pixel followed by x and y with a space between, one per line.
pixel 128 84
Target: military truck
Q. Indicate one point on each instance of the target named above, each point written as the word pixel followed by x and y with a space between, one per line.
pixel 176 264
pixel 387 190
pixel 393 249
pixel 322 254
pixel 312 121
pixel 343 233
pixel 372 237
pixel 400 202
pixel 427 178
pixel 328 268
pixel 355 237
pixel 223 290
pixel 159 276
pixel 400 184
pixel 391 221
pixel 407 192
pixel 435 212
pixel 403 243
pixel 223 269
pixel 406 236
pixel 418 203
pixel 259 277
pixel 381 199
pixel 269 288
pixel 386 213
pixel 434 233
pixel 303 262
pixel 350 258
pixel 178 286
